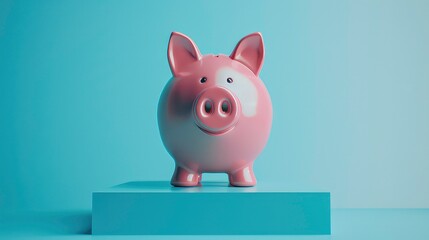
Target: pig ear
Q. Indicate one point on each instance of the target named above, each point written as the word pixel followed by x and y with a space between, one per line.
pixel 250 52
pixel 182 51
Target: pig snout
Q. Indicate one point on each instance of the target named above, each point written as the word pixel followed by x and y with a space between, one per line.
pixel 216 110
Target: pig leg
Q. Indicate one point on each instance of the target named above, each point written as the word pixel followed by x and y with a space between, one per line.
pixel 244 177
pixel 185 178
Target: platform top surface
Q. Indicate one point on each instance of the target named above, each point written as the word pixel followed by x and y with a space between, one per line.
pixel 205 187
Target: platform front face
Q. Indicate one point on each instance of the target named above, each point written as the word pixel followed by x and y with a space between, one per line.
pixel 216 209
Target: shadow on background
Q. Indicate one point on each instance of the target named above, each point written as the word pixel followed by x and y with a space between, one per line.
pixel 74 223
pixel 47 223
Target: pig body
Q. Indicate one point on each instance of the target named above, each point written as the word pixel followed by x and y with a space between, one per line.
pixel 214 114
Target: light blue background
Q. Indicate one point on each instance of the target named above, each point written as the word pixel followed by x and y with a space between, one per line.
pixel 80 81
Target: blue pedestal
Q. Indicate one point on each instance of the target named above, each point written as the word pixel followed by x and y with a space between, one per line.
pixel 214 208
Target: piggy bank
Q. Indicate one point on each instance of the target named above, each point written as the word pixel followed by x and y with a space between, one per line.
pixel 214 114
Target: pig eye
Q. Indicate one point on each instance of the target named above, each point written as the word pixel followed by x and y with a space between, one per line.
pixel 229 80
pixel 203 80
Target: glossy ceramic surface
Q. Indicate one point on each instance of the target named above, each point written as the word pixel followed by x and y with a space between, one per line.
pixel 215 113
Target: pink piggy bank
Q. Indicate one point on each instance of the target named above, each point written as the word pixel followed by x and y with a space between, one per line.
pixel 214 114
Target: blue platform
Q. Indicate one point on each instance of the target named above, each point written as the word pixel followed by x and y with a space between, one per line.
pixel 214 208
pixel 347 224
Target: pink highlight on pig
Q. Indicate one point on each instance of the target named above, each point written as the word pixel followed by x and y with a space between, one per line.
pixel 215 114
